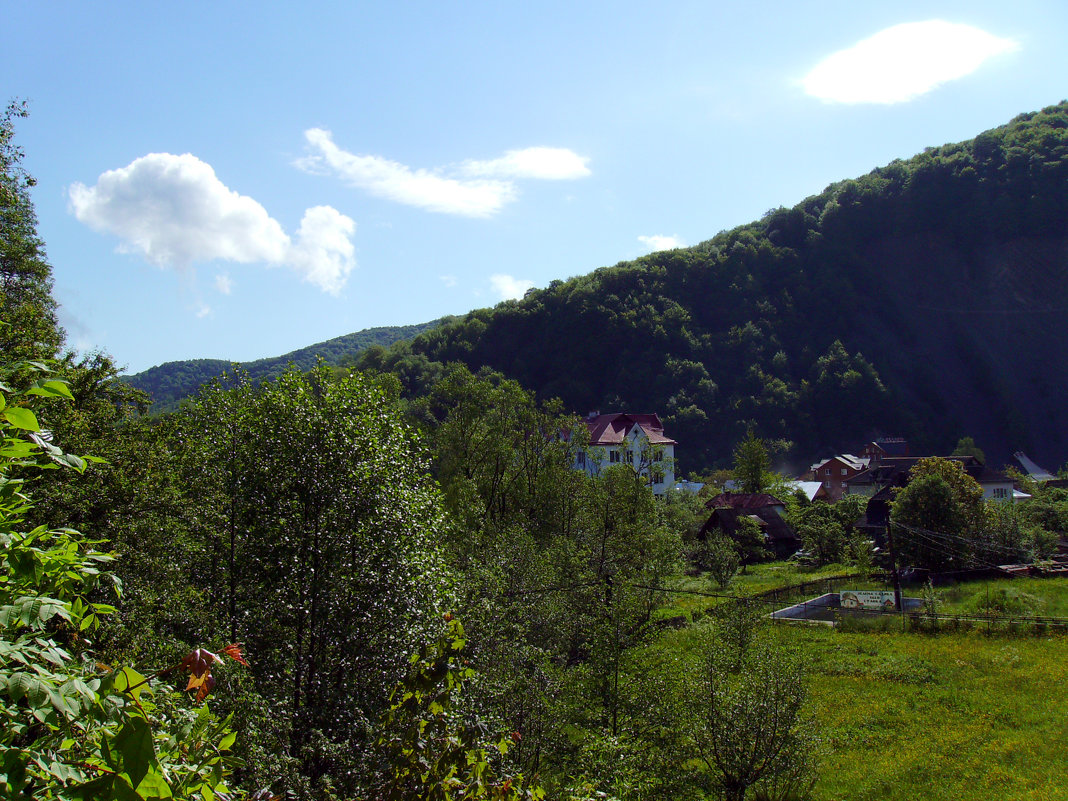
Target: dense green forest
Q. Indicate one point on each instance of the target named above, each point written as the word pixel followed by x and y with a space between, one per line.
pixel 925 300
pixel 170 383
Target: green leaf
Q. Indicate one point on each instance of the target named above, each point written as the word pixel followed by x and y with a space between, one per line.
pixel 227 742
pixel 128 678
pixel 134 742
pixel 52 388
pixel 21 417
pixel 69 459
pixel 154 786
pixel 19 684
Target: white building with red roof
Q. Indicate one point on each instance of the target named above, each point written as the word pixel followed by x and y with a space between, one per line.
pixel 634 439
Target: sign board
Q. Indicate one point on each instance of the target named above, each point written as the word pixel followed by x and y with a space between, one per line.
pixel 867 599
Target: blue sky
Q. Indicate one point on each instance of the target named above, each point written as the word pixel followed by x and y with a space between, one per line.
pixel 237 180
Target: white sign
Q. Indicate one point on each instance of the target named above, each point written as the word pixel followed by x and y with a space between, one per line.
pixel 868 599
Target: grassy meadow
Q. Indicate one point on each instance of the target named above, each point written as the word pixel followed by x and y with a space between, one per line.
pixel 958 715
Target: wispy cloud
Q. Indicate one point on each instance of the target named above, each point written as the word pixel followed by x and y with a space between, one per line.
pixel 175 212
pixel 903 62
pixel 544 163
pixel 660 242
pixel 474 189
pixel 224 284
pixel 509 288
pixel 448 280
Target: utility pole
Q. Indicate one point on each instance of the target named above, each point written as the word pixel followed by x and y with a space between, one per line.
pixel 893 565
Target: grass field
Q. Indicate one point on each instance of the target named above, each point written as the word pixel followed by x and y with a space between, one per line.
pixel 689 600
pixel 947 716
pixel 909 715
pixel 1042 597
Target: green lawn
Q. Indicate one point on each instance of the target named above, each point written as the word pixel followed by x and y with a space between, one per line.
pixel 948 716
pixel 1042 597
pixel 960 716
pixel 689 601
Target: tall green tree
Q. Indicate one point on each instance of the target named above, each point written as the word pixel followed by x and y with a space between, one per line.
pixel 939 516
pixel 30 328
pixel 752 464
pixel 327 553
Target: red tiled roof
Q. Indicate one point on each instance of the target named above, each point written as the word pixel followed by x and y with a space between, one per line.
pixel 611 429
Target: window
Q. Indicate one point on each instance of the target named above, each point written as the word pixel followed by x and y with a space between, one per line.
pixel 613 456
pixel 580 459
pixel 658 454
pixel 827 472
pixel 845 471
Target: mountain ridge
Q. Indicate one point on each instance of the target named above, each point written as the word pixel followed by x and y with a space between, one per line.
pixel 171 382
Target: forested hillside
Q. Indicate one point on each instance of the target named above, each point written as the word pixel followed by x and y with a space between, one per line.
pixel 168 383
pixel 925 299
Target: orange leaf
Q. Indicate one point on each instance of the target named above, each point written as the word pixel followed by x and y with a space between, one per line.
pixel 234 652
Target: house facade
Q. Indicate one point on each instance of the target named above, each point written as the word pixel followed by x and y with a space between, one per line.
pixel 634 439
pixel 834 473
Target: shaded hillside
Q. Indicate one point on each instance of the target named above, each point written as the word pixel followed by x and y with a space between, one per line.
pixel 171 382
pixel 926 299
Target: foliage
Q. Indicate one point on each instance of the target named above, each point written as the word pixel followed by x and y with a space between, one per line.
pixel 323 534
pixel 749 541
pixel 718 556
pixel 171 383
pixel 434 750
pixel 966 447
pixel 74 728
pixel 685 513
pixel 734 710
pixel 27 308
pixel 825 528
pixel 938 516
pixel 751 463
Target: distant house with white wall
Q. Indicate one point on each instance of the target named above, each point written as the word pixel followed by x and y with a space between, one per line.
pixel 634 439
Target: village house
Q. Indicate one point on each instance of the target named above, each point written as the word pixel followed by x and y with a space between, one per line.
pixel 766 511
pixel 878 484
pixel 833 473
pixel 634 439
pixel 879 449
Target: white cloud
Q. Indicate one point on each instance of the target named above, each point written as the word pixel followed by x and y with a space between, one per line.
pixel 509 288
pixel 323 251
pixel 545 163
pixel 224 284
pixel 203 310
pixel 661 242
pixel 448 280
pixel 175 212
pixel 903 62
pixel 483 190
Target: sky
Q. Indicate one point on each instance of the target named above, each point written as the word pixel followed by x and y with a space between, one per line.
pixel 237 180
